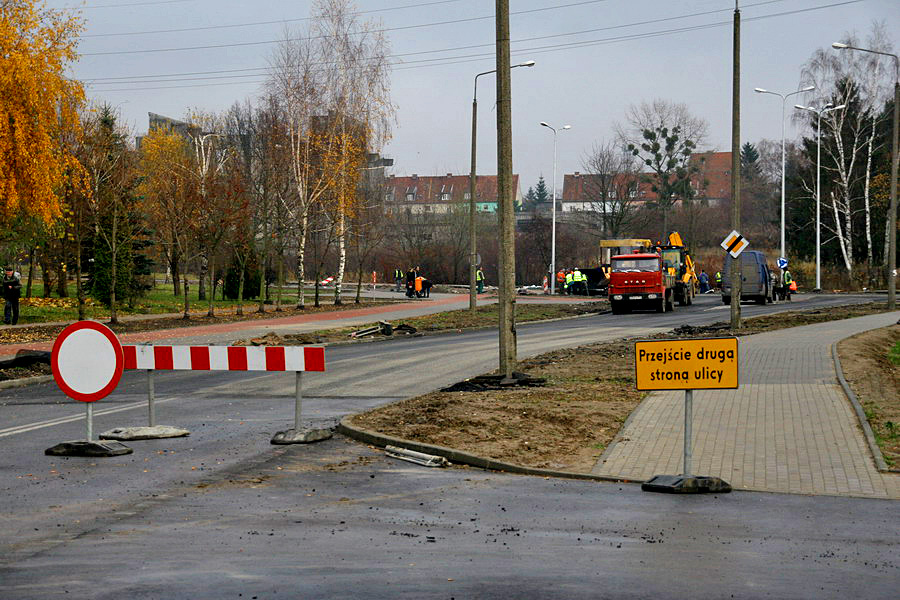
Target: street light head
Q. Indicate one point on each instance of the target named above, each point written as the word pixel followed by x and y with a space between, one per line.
pixel 808 88
pixel 839 46
pixel 567 127
pixel 760 91
pixel 545 124
pixel 527 63
pixel 838 107
pixel 801 107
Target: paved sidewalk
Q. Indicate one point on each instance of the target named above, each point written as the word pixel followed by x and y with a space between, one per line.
pixel 787 428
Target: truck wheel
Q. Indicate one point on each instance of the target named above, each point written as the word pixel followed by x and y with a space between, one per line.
pixel 690 297
pixel 670 302
pixel 761 300
pixel 726 300
pixel 661 305
pixel 618 308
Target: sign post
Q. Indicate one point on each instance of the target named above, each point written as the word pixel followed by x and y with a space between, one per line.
pixel 87 362
pixel 686 365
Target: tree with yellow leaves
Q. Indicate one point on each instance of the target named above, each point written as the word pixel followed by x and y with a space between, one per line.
pixel 37 100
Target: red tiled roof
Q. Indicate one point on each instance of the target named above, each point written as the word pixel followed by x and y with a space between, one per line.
pixel 428 189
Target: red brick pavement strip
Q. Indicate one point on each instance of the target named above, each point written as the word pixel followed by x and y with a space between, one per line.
pixel 9 350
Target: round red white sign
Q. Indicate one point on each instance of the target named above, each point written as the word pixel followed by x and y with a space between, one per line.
pixel 87 361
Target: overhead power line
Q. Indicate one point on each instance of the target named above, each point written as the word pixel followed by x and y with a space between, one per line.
pixel 448 60
pixel 443 61
pixel 386 30
pixel 257 23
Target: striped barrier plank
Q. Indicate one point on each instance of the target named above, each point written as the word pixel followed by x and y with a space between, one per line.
pixel 225 358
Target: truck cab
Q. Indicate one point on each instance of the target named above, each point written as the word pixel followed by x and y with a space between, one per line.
pixel 640 281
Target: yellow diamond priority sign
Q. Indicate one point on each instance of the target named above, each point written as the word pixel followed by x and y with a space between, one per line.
pixel 735 243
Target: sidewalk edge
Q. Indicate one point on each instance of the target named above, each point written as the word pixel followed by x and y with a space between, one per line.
pixel 459 457
pixel 24 381
pixel 880 463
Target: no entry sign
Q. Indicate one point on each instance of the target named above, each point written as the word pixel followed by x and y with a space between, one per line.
pixel 87 361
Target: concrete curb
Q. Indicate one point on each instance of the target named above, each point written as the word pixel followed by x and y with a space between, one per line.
pixel 880 463
pixel 456 456
pixel 22 382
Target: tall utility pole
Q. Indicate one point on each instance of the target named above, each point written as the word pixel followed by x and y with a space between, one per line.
pixel 507 275
pixel 473 255
pixel 736 167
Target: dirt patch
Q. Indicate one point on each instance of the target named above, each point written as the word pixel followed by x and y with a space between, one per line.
pixel 876 382
pixel 21 372
pixel 567 424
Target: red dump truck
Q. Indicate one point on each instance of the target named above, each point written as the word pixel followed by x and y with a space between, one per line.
pixel 639 281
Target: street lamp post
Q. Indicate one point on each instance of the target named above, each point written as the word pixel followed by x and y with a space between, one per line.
pixel 553 219
pixel 783 97
pixel 472 205
pixel 819 112
pixel 895 159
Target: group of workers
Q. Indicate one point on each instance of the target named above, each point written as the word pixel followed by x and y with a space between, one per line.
pixel 417 286
pixel 572 282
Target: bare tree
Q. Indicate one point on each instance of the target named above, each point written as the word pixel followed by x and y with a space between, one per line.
pixel 611 186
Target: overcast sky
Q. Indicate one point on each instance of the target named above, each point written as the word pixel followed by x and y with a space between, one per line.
pixel 594 58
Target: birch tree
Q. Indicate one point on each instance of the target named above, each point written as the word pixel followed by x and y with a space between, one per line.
pixel 861 82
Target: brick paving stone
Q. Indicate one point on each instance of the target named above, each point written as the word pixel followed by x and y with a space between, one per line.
pixel 788 427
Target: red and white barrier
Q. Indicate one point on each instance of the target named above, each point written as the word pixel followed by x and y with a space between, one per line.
pixel 326 281
pixel 225 358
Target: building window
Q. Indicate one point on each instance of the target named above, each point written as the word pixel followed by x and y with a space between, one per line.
pixel 467 196
pixel 410 196
pixel 445 197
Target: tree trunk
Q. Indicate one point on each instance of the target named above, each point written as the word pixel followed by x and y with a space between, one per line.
pixel 279 279
pixel 114 251
pixel 46 278
pixel 840 233
pixel 79 287
pixel 30 271
pixel 301 257
pixel 212 289
pixel 342 256
pixel 187 299
pixel 176 276
pixel 201 284
pixel 240 298
pixel 869 253
pixel 62 281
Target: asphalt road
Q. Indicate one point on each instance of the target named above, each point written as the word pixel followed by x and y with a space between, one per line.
pixel 223 513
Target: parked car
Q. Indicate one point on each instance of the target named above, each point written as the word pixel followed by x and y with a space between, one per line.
pixel 756 278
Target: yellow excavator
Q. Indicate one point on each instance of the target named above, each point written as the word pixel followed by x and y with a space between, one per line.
pixel 680 264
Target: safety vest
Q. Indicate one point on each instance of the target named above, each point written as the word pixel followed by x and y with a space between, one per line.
pixel 569 278
pixel 787 278
pixel 398 274
pixel 718 277
pixel 577 276
pixel 479 275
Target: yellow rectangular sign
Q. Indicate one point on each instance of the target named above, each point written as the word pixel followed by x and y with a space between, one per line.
pixel 695 364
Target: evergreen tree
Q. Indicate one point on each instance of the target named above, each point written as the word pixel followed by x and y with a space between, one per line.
pixel 541 193
pixel 749 161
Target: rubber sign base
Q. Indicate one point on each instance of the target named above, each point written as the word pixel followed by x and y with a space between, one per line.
pixel 692 484
pixel 157 432
pixel 88 448
pixel 306 436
